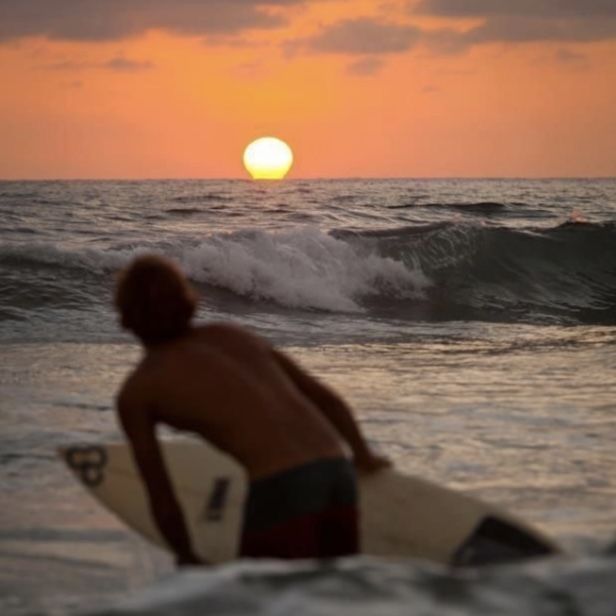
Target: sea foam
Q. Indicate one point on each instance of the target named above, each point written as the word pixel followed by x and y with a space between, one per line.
pixel 303 268
pixel 365 586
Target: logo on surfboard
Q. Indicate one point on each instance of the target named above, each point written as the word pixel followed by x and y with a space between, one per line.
pixel 88 462
pixel 215 504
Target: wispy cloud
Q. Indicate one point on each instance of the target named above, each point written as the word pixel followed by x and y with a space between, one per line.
pixel 119 64
pixel 571 58
pixel 105 20
pixel 127 66
pixel 362 36
pixel 521 21
pixel 366 40
pixel 544 9
pixel 363 67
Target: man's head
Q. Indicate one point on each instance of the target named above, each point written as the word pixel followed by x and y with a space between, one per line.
pixel 154 299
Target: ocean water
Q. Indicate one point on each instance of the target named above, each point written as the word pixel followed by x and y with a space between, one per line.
pixel 471 324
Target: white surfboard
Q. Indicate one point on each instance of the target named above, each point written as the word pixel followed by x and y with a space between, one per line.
pixel 401 515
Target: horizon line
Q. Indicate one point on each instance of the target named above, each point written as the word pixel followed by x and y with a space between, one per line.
pixel 309 178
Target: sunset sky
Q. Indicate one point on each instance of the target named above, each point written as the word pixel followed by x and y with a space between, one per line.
pixel 358 88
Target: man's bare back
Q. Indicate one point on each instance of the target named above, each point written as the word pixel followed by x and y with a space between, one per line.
pixel 234 389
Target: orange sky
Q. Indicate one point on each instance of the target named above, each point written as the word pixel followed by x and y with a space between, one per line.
pixel 358 88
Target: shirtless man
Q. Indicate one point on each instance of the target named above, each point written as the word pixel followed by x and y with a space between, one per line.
pixel 289 431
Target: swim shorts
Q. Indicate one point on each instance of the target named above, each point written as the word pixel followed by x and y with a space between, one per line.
pixel 309 511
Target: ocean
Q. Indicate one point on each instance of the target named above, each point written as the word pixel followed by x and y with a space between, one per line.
pixel 470 323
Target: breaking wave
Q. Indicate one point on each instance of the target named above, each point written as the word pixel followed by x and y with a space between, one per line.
pixel 435 272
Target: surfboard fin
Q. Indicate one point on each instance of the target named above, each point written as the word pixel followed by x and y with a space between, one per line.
pixel 496 541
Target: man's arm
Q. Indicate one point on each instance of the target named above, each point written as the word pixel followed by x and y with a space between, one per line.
pixel 164 506
pixel 336 411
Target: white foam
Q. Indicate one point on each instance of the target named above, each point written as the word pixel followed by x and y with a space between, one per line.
pixel 304 268
pixel 364 586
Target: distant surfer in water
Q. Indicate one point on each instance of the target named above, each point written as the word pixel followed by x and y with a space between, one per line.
pixel 234 389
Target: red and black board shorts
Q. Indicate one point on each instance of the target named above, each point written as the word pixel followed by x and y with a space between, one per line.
pixel 310 511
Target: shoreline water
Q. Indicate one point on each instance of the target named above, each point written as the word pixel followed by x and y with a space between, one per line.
pixel 461 445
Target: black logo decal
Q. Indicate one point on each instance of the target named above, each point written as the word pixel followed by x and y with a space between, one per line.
pixel 88 463
pixel 215 504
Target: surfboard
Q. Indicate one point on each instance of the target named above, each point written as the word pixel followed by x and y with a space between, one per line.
pixel 401 515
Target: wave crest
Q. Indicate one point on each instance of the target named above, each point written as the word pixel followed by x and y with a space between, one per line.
pixel 305 269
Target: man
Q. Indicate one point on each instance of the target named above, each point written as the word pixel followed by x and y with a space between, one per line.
pixel 232 388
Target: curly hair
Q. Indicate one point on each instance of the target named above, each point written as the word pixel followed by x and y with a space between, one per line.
pixel 154 299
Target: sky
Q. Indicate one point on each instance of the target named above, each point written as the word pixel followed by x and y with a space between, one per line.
pixel 358 88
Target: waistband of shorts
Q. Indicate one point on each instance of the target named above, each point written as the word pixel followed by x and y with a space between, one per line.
pixel 309 488
pixel 325 465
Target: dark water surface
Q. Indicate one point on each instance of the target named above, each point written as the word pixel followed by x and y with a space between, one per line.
pixel 472 324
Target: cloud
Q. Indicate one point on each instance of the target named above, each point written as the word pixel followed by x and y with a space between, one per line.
pixel 128 66
pixel 363 67
pixel 528 8
pixel 119 64
pixel 106 20
pixel 362 36
pixel 571 58
pixel 496 21
pixel 520 21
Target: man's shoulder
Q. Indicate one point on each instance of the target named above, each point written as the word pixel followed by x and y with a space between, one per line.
pixel 228 330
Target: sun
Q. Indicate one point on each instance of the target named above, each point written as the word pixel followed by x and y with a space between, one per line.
pixel 268 158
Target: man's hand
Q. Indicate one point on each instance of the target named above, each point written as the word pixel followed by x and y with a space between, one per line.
pixel 370 462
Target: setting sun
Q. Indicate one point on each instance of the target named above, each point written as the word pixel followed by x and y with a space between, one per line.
pixel 268 158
